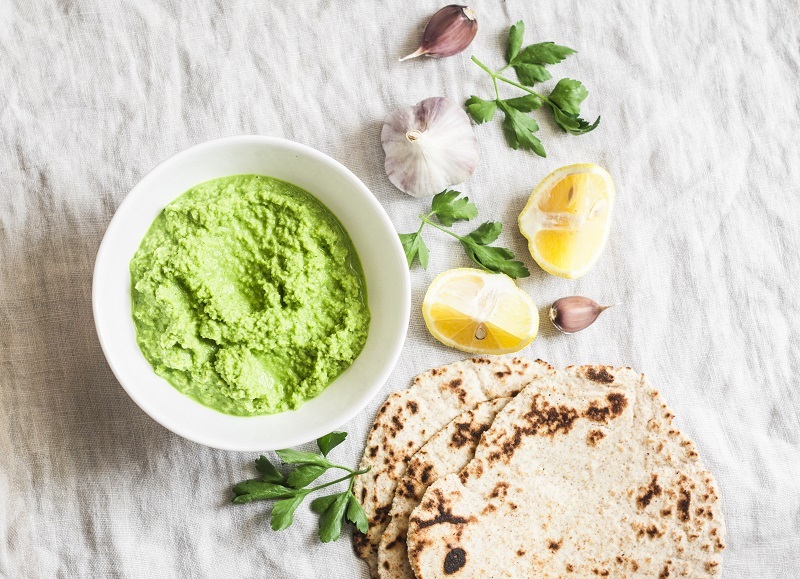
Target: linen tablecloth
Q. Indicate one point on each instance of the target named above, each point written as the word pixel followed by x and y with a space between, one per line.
pixel 700 126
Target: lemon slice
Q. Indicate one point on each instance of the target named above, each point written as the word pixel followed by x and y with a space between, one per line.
pixel 567 219
pixel 479 312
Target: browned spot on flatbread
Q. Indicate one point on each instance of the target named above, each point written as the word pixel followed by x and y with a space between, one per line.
pixel 455 386
pixel 500 490
pixel 464 433
pixel 412 406
pixel 600 572
pixel 445 512
pixel 651 490
pixel 684 502
pixel 502 374
pixel 396 422
pixel 520 553
pixel 417 549
pixel 555 545
pixel 425 477
pixel 373 451
pixel 399 540
pixel 381 514
pixel 617 402
pixel 653 532
pixel 594 437
pixel 664 572
pixel 543 420
pixel 454 560
pixel 599 374
pixel 360 543
pixel 570 568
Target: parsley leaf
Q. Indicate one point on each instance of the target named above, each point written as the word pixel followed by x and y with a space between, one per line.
pixel 519 128
pixel 515 34
pixel 269 473
pixel 530 74
pixel 565 102
pixel 283 512
pixel 480 110
pixel 496 259
pixel 568 95
pixel 573 124
pixel 486 233
pixel 291 456
pixel 304 475
pixel 330 441
pixel 321 504
pixel 330 523
pixel 543 53
pixel 449 209
pixel 258 490
pixel 524 104
pixel 356 514
pixel 414 247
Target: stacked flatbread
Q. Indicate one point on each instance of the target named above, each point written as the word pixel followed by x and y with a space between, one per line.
pixel 510 468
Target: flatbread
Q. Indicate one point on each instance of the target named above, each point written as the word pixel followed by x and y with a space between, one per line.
pixel 447 451
pixel 580 476
pixel 410 417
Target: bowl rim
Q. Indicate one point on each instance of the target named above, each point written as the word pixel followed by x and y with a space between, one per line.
pixel 315 430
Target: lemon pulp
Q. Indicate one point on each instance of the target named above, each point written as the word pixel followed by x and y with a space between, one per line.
pixel 479 312
pixel 567 218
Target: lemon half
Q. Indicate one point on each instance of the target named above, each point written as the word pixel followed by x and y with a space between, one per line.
pixel 479 312
pixel 567 219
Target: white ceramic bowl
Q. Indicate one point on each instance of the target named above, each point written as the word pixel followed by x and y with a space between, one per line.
pixel 375 240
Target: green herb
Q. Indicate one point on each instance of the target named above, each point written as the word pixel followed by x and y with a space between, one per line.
pixel 530 64
pixel 290 490
pixel 448 207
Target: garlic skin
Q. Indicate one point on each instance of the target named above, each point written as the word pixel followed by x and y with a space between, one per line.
pixel 429 147
pixel 449 32
pixel 575 313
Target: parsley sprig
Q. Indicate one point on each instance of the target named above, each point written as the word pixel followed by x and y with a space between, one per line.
pixel 291 489
pixel 529 64
pixel 448 207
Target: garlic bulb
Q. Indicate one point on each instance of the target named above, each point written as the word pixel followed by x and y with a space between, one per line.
pixel 449 32
pixel 429 147
pixel 575 313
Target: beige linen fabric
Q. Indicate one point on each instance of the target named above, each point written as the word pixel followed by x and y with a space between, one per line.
pixel 700 125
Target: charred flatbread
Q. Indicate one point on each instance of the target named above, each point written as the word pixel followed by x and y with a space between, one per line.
pixel 581 474
pixel 448 451
pixel 410 417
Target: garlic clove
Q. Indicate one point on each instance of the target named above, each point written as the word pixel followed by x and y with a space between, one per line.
pixel 449 32
pixel 575 313
pixel 429 146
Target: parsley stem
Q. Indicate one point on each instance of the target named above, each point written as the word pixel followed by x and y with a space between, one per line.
pixel 496 76
pixel 439 227
pixel 525 88
pixel 483 66
pixel 351 476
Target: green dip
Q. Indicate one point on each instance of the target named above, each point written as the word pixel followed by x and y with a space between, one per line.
pixel 248 295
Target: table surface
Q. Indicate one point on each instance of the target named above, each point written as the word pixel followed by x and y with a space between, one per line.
pixel 700 121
